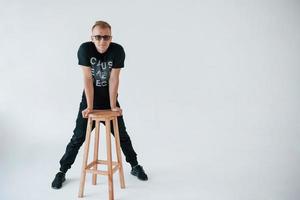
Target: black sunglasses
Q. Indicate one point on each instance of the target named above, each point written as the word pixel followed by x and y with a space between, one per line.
pixel 99 37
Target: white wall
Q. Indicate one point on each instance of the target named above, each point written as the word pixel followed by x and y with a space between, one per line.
pixel 209 88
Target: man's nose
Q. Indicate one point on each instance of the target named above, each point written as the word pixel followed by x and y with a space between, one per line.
pixel 102 40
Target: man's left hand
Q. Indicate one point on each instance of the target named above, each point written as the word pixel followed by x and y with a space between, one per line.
pixel 117 109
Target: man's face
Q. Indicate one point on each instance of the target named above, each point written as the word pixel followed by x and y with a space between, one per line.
pixel 101 37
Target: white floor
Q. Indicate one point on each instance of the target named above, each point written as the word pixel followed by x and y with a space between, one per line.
pixel 205 171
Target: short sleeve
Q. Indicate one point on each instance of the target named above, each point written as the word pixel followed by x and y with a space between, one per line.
pixel 119 58
pixel 83 55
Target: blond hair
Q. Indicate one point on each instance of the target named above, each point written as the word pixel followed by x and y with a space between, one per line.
pixel 102 24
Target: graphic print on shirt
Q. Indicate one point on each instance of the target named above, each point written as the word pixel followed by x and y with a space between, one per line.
pixel 101 71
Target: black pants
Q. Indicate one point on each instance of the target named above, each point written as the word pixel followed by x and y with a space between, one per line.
pixel 79 136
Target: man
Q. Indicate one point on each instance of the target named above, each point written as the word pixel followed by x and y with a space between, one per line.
pixel 101 61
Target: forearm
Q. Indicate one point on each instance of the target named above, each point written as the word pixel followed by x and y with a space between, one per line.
pixel 113 92
pixel 89 92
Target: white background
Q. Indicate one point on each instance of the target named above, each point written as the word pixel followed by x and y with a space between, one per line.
pixel 210 93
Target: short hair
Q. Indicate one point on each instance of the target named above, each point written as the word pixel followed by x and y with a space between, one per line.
pixel 102 24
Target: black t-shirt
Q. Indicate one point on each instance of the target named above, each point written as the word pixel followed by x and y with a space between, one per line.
pixel 101 64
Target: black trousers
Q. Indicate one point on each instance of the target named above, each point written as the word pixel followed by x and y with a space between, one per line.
pixel 78 139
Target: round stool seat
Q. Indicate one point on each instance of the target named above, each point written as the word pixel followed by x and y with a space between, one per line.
pixel 103 114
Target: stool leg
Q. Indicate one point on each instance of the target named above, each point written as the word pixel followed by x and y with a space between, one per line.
pixel 118 151
pixel 96 149
pixel 109 159
pixel 85 157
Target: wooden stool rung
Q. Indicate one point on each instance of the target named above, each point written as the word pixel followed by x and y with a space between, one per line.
pixel 102 172
pixel 91 165
pixel 97 171
pixel 105 162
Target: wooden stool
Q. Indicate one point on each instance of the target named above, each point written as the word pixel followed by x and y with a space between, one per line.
pixel 112 166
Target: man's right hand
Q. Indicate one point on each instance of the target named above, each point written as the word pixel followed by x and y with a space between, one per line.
pixel 86 112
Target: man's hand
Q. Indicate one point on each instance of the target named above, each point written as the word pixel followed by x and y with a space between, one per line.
pixel 86 112
pixel 117 109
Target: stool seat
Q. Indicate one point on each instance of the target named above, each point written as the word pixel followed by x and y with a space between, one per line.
pixel 103 114
pixel 106 116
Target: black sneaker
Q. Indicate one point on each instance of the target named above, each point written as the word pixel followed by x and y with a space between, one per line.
pixel 58 180
pixel 139 172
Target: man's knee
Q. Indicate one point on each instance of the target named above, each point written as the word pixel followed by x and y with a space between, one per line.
pixel 78 138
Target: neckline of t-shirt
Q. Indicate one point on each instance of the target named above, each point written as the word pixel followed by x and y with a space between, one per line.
pixel 103 54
